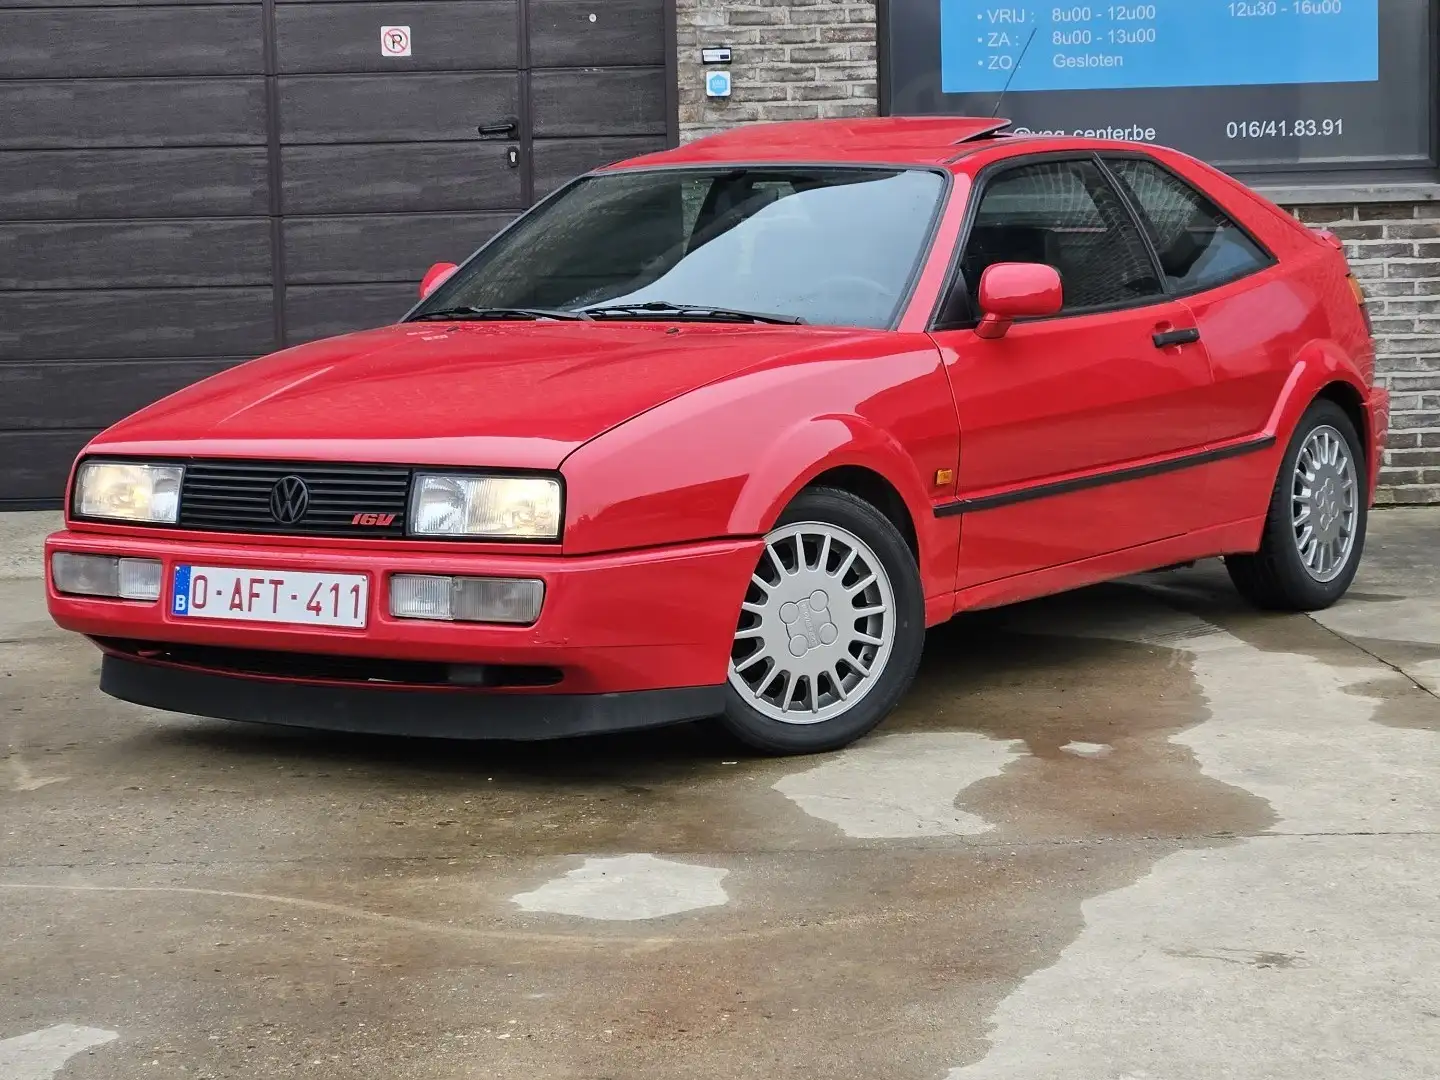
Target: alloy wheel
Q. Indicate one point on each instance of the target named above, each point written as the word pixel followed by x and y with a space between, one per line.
pixel 1325 504
pixel 817 625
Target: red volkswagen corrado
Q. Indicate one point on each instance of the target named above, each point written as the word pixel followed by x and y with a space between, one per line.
pixel 718 432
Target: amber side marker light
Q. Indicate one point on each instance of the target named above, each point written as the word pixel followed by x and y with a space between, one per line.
pixel 1360 299
pixel 1355 289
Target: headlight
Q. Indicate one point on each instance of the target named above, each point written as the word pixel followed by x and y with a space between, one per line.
pixel 128 492
pixel 500 507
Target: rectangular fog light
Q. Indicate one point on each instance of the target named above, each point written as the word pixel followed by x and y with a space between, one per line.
pixel 466 599
pixel 106 575
pixel 139 579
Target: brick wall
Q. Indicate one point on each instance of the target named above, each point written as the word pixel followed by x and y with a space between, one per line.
pixel 794 60
pixel 1394 249
pixel 807 59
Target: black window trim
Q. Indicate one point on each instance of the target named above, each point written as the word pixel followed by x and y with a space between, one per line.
pixel 924 254
pixel 1148 231
pixel 955 280
pixel 955 284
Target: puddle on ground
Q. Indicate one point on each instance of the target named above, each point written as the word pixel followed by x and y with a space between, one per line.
pixel 1305 937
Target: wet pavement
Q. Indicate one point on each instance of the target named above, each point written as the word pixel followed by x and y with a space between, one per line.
pixel 1135 833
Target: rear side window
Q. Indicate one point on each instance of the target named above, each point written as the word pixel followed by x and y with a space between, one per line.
pixel 1199 246
pixel 1066 214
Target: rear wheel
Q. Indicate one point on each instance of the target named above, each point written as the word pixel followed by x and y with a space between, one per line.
pixel 831 629
pixel 1315 529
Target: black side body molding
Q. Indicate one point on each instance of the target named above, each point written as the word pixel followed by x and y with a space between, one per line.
pixel 1115 476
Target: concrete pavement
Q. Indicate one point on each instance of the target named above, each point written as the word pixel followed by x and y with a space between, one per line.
pixel 1137 832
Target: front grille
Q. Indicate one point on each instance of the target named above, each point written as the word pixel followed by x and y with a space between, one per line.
pixel 234 496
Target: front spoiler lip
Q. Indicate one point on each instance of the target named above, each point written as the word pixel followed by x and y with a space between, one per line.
pixel 408 711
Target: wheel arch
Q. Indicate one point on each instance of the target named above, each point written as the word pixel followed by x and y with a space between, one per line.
pixel 865 483
pixel 1345 395
pixel 845 452
pixel 1321 372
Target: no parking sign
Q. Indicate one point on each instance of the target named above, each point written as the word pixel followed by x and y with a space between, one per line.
pixel 394 41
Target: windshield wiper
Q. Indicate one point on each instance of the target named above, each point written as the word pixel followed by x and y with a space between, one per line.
pixel 690 312
pixel 498 313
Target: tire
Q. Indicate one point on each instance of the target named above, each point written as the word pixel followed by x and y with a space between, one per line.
pixel 1287 573
pixel 805 678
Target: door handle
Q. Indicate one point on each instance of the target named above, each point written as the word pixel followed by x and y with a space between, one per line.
pixel 1176 337
pixel 507 128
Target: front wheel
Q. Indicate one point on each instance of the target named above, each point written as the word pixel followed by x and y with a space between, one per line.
pixel 830 631
pixel 1315 528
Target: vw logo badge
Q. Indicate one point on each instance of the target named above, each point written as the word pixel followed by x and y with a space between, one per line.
pixel 289 500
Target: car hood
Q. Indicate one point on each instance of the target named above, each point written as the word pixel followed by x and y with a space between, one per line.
pixel 511 395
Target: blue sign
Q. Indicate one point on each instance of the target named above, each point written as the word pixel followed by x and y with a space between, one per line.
pixel 1159 43
pixel 717 84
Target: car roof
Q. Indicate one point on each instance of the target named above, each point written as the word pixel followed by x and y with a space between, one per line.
pixel 883 140
pixel 899 140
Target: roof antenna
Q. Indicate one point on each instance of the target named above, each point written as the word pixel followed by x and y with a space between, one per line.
pixel 1014 71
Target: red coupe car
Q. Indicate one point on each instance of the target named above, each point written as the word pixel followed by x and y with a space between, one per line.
pixel 719 431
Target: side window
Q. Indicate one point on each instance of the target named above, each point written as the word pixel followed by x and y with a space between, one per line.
pixel 1066 214
pixel 1199 246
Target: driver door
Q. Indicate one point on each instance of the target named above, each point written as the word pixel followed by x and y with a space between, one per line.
pixel 1069 424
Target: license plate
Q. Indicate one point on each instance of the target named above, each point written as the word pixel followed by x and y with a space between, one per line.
pixel 273 596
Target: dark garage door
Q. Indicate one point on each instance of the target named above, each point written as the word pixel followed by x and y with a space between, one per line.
pixel 186 186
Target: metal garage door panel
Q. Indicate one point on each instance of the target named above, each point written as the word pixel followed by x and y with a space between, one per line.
pixel 49 184
pixel 111 388
pixel 478 35
pixel 625 32
pixel 36 466
pixel 372 248
pixel 386 108
pixel 470 175
pixel 317 311
pixel 77 255
pixel 93 113
pixel 136 323
pixel 381 168
pixel 558 161
pixel 608 102
pixel 180 40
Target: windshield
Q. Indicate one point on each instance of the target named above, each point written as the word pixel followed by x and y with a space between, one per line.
pixel 832 246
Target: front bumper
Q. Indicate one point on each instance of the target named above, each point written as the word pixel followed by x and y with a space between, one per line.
pixel 660 619
pixel 437 714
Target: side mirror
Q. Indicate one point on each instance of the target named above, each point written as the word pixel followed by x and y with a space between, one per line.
pixel 1010 291
pixel 435 277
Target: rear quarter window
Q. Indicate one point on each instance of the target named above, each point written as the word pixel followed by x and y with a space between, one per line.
pixel 1199 245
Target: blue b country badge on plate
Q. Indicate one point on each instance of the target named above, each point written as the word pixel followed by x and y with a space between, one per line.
pixel 180 595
